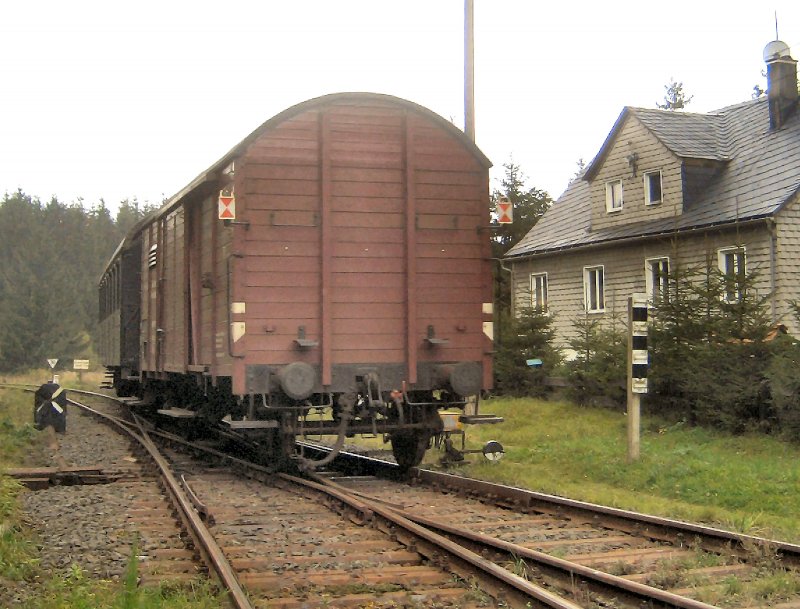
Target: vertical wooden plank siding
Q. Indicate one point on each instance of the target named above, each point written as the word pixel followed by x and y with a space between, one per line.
pixel 186 288
pixel 194 248
pixel 147 290
pixel 325 245
pixel 238 275
pixel 214 229
pixel 411 252
pixel 161 254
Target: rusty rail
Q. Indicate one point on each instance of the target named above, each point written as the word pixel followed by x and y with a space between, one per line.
pixel 205 541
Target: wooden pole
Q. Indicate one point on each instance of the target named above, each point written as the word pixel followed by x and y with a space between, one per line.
pixel 634 404
pixel 469 69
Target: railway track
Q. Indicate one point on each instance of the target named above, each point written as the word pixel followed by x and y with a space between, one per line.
pixel 294 543
pixel 355 537
pixel 104 507
pixel 657 560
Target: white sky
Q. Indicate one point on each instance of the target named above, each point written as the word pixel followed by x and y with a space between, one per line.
pixel 122 100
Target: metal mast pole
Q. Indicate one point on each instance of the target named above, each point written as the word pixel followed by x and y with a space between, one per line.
pixel 469 69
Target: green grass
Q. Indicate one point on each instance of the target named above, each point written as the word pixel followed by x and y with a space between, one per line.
pixel 18 438
pixel 77 591
pixel 747 483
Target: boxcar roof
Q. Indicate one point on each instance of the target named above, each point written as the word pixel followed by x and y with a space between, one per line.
pixel 212 173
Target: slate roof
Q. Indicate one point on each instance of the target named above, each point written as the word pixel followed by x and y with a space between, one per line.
pixel 698 136
pixel 761 174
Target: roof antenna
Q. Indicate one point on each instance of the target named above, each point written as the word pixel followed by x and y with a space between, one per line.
pixel 776 26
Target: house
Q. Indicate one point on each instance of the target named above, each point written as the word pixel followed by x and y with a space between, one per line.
pixel 674 188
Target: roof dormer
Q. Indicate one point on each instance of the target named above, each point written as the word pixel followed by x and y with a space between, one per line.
pixel 651 165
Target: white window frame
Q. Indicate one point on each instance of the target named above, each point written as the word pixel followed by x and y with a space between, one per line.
pixel 614 203
pixel 648 176
pixel 737 254
pixel 594 288
pixel 539 295
pixel 656 290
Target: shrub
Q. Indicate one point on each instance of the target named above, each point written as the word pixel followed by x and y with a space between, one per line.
pixel 708 352
pixel 598 375
pixel 529 336
pixel 784 386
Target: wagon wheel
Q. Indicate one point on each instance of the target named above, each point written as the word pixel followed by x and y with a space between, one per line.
pixel 408 447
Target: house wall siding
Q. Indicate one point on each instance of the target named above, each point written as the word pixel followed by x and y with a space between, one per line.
pixel 652 155
pixel 624 272
pixel 787 253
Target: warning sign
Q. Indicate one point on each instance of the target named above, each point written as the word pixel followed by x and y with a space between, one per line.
pixel 227 205
pixel 505 211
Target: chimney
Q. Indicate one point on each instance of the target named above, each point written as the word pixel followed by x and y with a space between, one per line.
pixel 781 83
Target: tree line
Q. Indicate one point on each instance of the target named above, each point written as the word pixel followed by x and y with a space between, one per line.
pixel 51 257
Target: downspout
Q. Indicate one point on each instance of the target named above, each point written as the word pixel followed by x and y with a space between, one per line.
pixel 773 272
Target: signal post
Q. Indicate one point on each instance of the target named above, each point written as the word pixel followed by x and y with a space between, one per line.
pixel 637 369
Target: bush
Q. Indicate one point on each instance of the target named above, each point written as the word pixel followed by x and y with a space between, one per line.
pixel 530 336
pixel 784 386
pixel 598 375
pixel 708 354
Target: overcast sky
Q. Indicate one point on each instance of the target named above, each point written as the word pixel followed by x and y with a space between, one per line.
pixel 121 100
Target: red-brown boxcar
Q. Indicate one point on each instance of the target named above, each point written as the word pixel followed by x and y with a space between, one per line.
pixel 334 260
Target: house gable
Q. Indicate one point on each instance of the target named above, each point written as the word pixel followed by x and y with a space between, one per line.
pixel 632 157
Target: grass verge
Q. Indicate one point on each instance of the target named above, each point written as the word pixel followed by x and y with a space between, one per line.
pixel 747 483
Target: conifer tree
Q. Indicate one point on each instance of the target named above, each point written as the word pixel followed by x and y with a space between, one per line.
pixel 53 254
pixel 529 336
pixel 674 97
pixel 529 205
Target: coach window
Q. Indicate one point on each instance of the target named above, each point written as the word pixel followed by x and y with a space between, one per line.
pixel 594 289
pixel 539 292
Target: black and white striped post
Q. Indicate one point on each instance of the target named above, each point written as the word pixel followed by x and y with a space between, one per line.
pixel 637 368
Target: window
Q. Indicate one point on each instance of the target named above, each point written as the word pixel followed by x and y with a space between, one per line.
pixel 652 187
pixel 593 289
pixel 614 196
pixel 657 279
pixel 732 267
pixel 539 291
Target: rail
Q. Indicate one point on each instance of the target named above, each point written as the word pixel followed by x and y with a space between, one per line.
pixel 203 538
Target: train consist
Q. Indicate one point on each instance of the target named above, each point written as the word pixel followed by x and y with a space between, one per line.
pixel 330 275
